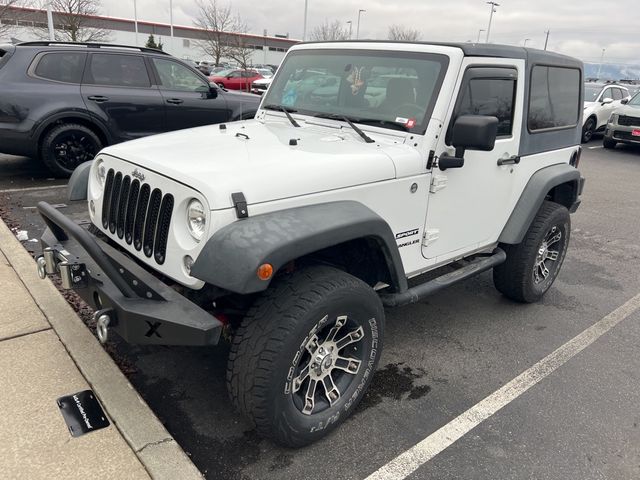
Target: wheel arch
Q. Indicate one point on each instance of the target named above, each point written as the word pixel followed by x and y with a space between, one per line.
pixel 342 234
pixel 560 183
pixel 80 118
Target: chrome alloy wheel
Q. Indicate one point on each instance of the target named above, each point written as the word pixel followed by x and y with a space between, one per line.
pixel 549 251
pixel 328 366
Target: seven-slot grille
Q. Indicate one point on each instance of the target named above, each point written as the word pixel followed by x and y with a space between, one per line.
pixel 137 214
pixel 629 121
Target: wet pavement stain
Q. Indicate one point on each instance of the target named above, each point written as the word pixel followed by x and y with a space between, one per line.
pixel 393 381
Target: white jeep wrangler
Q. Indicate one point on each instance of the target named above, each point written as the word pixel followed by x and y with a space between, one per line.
pixel 368 164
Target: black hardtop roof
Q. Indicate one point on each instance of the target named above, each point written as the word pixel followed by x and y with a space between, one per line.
pixel 495 50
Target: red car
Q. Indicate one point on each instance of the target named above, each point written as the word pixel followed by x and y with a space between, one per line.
pixel 235 79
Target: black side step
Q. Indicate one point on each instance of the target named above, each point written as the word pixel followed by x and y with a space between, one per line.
pixel 417 293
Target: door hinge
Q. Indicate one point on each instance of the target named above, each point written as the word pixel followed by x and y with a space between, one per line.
pixel 438 182
pixel 430 236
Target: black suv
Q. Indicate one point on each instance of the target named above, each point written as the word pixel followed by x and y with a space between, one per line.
pixel 62 102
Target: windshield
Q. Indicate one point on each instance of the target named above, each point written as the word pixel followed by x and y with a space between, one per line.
pixel 383 88
pixel 591 92
pixel 635 100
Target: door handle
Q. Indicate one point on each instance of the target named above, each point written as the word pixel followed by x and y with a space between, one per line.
pixel 513 160
pixel 98 98
pixel 175 101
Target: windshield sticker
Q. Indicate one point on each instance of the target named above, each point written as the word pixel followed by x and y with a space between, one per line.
pixel 401 120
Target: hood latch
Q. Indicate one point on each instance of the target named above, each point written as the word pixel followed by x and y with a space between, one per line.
pixel 240 204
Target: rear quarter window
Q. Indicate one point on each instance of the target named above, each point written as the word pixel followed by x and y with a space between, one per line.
pixel 554 98
pixel 61 66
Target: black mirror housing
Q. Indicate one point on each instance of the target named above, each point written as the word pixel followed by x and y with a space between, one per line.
pixel 474 132
pixel 624 101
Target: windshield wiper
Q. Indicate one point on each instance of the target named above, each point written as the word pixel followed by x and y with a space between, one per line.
pixel 337 116
pixel 383 123
pixel 287 112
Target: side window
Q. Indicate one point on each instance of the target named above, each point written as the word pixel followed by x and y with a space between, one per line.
pixel 488 92
pixel 606 94
pixel 174 76
pixel 61 66
pixel 554 97
pixel 235 74
pixel 617 93
pixel 117 70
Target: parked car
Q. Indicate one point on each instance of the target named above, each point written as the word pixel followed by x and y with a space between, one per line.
pixel 260 86
pixel 624 124
pixel 235 79
pixel 310 219
pixel 600 100
pixel 62 103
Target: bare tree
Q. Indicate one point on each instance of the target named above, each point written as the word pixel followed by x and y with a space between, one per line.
pixel 330 31
pixel 74 18
pixel 406 34
pixel 6 14
pixel 217 21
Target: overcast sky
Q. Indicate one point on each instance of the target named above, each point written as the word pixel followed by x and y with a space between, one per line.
pixel 578 27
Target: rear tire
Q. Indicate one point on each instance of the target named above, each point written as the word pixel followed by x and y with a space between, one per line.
pixel 321 321
pixel 533 265
pixel 67 146
pixel 609 144
pixel 588 130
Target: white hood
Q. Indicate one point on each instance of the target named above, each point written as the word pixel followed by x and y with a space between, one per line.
pixel 264 166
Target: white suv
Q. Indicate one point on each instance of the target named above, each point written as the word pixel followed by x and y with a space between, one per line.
pixel 600 100
pixel 368 164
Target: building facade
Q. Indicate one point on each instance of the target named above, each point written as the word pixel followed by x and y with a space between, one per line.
pixel 27 24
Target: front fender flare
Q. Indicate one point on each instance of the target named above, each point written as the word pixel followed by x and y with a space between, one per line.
pixel 231 257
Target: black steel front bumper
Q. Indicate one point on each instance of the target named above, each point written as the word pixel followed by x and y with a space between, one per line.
pixel 140 308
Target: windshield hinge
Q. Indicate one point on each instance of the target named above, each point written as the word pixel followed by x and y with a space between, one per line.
pixel 240 204
pixel 438 182
pixel 432 158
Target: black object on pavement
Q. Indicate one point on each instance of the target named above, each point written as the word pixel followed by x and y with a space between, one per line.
pixel 82 413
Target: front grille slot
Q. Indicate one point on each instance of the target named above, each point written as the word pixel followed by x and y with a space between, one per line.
pixel 141 212
pixel 135 213
pixel 629 121
pixel 151 222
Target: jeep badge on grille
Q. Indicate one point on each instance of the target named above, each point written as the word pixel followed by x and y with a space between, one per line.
pixel 138 174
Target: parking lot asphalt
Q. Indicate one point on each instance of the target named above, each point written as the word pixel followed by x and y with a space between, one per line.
pixel 441 357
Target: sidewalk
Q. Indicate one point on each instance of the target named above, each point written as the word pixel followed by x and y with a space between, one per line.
pixel 46 352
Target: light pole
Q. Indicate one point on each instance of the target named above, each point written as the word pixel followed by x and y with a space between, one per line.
pixel 52 35
pixel 135 19
pixel 479 32
pixel 493 10
pixel 304 31
pixel 358 27
pixel 601 61
pixel 350 22
pixel 525 42
pixel 171 23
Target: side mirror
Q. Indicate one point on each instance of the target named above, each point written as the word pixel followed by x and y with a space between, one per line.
pixel 624 101
pixel 607 101
pixel 470 132
pixel 213 90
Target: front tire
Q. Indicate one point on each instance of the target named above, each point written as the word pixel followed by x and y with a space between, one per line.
pixel 305 353
pixel 533 265
pixel 588 130
pixel 609 144
pixel 68 145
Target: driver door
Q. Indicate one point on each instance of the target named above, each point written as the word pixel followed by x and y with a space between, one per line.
pixel 469 206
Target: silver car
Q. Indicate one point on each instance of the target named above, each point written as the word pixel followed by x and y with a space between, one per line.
pixel 624 124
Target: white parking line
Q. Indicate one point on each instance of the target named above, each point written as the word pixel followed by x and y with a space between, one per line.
pixel 408 462
pixel 595 148
pixel 27 189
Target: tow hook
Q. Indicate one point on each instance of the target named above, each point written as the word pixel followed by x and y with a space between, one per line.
pixel 103 319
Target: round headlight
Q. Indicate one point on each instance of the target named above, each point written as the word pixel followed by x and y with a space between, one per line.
pixel 196 219
pixel 101 173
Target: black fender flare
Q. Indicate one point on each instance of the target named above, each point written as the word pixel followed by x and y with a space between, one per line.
pixel 79 182
pixel 535 192
pixel 231 257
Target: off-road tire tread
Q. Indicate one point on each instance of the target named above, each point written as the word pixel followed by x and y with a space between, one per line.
pixel 510 278
pixel 258 341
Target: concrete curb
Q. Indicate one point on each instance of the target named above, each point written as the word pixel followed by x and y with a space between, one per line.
pixel 154 446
